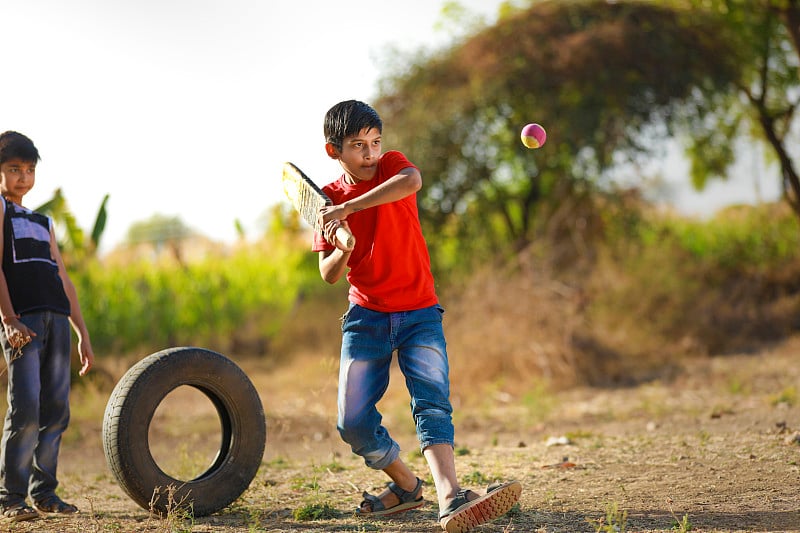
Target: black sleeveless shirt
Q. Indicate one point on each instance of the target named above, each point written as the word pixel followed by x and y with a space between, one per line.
pixel 30 269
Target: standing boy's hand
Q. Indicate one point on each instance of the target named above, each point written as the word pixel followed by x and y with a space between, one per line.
pixel 18 334
pixel 86 355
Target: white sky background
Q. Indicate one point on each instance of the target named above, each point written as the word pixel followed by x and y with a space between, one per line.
pixel 189 107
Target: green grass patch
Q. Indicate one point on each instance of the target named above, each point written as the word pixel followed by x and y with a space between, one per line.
pixel 315 511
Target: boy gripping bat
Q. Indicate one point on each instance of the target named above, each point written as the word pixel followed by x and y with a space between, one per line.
pixel 308 199
pixel 393 306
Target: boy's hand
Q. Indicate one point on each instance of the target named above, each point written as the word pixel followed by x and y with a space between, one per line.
pixel 18 334
pixel 331 212
pixel 329 232
pixel 86 355
pixel 330 218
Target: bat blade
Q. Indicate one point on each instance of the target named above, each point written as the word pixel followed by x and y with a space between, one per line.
pixel 307 199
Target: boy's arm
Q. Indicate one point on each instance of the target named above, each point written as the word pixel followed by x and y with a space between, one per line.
pixel 18 334
pixel 333 263
pixel 85 351
pixel 407 181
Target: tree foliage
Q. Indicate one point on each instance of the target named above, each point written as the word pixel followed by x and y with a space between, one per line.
pixel 606 80
pixel 162 232
pixel 762 105
pixel 71 238
pixel 159 230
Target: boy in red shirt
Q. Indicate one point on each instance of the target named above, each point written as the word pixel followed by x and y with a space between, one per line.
pixel 393 307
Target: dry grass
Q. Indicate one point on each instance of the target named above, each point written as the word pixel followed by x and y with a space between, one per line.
pixel 703 439
pixel 713 446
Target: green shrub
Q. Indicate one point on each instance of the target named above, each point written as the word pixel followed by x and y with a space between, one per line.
pixel 215 302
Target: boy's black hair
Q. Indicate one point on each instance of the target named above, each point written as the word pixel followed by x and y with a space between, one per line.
pixel 15 145
pixel 348 118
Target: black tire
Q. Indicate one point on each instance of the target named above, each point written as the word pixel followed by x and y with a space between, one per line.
pixel 130 410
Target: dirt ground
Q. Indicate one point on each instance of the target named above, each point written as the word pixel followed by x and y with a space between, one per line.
pixel 714 449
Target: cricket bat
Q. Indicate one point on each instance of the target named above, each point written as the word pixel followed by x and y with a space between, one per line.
pixel 307 199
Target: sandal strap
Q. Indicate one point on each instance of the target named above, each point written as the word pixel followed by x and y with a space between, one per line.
pixel 18 511
pixel 374 502
pixel 20 506
pixel 494 486
pixel 460 499
pixel 406 496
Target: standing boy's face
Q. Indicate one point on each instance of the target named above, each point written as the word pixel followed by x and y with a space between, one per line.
pixel 359 154
pixel 17 177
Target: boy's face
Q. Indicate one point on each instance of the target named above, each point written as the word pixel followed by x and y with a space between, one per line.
pixel 17 177
pixel 359 154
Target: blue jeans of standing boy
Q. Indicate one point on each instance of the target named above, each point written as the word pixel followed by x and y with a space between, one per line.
pixel 369 339
pixel 38 409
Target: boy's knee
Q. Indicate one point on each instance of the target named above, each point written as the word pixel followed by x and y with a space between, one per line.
pixel 432 410
pixel 374 445
pixel 351 430
pixel 24 412
pixel 23 428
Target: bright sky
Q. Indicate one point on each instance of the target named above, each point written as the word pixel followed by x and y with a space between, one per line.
pixel 189 107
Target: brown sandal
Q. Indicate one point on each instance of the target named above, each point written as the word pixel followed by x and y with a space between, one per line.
pixel 55 505
pixel 407 500
pixel 463 514
pixel 18 512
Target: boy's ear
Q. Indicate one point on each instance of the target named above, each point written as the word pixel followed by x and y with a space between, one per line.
pixel 331 150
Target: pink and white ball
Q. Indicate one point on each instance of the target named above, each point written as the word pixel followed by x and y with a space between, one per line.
pixel 533 136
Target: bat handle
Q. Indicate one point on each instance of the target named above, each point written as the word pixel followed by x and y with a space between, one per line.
pixel 345 238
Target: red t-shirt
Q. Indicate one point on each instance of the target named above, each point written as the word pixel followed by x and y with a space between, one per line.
pixel 389 268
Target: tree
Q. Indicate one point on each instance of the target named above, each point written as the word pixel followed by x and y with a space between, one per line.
pixel 607 80
pixel 160 230
pixel 72 239
pixel 767 35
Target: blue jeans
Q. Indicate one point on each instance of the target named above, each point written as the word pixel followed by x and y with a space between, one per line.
pixel 368 340
pixel 38 409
